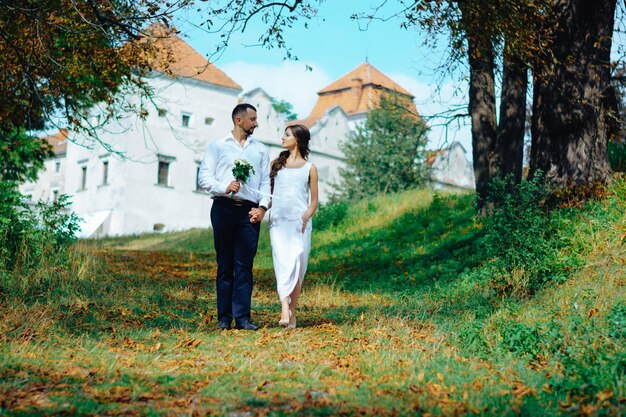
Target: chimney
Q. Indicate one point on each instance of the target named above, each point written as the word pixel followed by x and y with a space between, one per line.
pixel 356 85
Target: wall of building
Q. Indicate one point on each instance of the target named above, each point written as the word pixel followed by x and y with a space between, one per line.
pixel 133 201
pixel 326 136
pixel 51 181
pixel 452 168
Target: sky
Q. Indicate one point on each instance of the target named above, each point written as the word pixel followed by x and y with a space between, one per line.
pixel 333 45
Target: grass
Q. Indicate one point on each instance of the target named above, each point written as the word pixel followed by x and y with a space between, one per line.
pixel 398 317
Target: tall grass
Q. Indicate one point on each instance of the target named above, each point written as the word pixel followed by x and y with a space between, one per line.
pixel 35 244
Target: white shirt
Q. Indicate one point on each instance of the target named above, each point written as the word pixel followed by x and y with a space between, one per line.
pixel 216 169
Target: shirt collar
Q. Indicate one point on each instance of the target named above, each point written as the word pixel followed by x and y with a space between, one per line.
pixel 230 137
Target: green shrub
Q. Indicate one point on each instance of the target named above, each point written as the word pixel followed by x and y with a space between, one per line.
pixel 617 156
pixel 519 238
pixel 520 338
pixel 330 215
pixel 12 224
pixel 30 236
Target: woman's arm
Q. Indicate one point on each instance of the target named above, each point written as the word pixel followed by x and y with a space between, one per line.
pixel 314 197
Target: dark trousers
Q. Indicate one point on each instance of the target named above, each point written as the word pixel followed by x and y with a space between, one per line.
pixel 236 241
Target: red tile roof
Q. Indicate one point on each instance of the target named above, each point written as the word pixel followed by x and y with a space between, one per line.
pixel 177 58
pixel 58 141
pixel 369 75
pixel 356 93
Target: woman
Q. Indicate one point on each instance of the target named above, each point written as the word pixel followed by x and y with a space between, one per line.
pixel 294 200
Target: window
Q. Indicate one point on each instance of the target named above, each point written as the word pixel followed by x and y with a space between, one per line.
pixel 162 112
pixel 164 170
pixel 208 121
pixel 57 166
pixel 105 172
pixel 197 178
pixel 83 178
pixel 186 119
pixel 55 196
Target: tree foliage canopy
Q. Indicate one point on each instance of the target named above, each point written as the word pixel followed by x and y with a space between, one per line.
pixel 386 154
pixel 59 57
pixel 21 156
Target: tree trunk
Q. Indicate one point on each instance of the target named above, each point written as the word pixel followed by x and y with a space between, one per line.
pixel 570 125
pixel 482 102
pixel 509 147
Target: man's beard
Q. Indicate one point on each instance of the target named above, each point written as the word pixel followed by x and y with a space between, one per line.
pixel 249 131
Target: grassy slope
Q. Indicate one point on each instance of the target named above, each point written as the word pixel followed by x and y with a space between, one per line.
pixel 397 317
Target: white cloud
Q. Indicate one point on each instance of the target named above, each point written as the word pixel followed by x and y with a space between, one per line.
pixel 289 81
pixel 437 104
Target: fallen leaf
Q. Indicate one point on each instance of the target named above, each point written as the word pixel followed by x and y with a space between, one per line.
pixel 189 343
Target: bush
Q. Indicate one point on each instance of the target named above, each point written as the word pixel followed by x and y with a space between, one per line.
pixel 11 224
pixel 520 338
pixel 330 215
pixel 519 237
pixel 30 236
pixel 617 156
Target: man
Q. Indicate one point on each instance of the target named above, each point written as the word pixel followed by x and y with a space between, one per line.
pixel 236 218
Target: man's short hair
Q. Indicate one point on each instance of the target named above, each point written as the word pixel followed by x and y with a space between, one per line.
pixel 242 108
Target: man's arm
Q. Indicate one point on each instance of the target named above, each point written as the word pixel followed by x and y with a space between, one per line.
pixel 206 176
pixel 257 214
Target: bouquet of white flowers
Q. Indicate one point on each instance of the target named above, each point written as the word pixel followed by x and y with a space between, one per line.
pixel 242 171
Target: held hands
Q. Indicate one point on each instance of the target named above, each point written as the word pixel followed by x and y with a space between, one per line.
pixel 256 215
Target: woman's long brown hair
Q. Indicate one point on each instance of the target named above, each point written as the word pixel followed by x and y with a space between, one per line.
pixel 303 136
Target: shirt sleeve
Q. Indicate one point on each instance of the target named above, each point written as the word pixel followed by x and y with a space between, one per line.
pixel 207 179
pixel 265 186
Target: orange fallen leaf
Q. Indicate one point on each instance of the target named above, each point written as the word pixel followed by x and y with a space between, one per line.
pixel 604 395
pixel 189 343
pixel 477 384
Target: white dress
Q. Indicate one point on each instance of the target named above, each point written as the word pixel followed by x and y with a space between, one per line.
pixel 290 247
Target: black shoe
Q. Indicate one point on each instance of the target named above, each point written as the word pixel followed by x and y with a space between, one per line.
pixel 246 325
pixel 223 325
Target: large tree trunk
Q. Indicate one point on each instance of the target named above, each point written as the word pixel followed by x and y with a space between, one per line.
pixel 509 147
pixel 570 123
pixel 482 103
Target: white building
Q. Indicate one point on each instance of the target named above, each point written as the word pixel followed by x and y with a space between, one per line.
pixel 331 129
pixel 51 181
pixel 450 168
pixel 340 108
pixel 143 178
pixel 343 105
